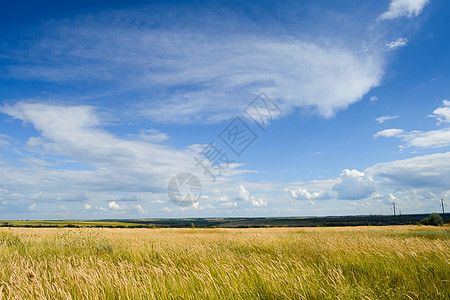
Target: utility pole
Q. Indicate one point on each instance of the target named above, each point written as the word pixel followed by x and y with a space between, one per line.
pixel 443 211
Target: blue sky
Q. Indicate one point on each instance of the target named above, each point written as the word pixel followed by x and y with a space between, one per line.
pixel 103 103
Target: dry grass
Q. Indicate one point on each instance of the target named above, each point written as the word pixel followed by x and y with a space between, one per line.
pixel 402 262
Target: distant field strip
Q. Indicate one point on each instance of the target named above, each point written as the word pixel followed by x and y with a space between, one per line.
pixel 68 224
pixel 392 262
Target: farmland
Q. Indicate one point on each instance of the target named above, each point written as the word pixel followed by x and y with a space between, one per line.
pixel 390 262
pixel 330 221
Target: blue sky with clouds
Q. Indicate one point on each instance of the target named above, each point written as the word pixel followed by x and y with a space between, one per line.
pixel 103 103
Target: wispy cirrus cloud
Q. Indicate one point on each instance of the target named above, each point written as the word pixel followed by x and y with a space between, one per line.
pixel 103 166
pixel 188 75
pixel 383 119
pixel 114 163
pixel 421 139
pixel 392 132
pixel 403 8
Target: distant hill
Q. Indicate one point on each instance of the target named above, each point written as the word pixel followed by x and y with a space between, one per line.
pixel 371 220
pixel 331 221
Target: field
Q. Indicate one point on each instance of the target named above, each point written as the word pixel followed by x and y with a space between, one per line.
pixel 391 262
pixel 68 224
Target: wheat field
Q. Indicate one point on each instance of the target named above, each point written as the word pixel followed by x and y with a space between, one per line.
pixel 394 262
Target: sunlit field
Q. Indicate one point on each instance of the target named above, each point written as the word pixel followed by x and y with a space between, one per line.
pixel 396 262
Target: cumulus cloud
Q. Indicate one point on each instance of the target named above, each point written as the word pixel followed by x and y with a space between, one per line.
pixel 303 194
pixel 391 198
pixel 373 98
pixel 140 209
pixel 244 195
pixel 112 205
pixel 354 185
pixel 259 202
pixel 400 42
pixel 403 8
pixel 383 119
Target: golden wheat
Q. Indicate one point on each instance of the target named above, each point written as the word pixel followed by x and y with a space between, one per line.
pixel 401 262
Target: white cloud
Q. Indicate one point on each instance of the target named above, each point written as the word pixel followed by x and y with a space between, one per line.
pixel 404 8
pixel 259 202
pixel 382 119
pixel 32 206
pixel 391 198
pixel 303 194
pixel 373 98
pixel 442 113
pixel 140 209
pixel 244 195
pixel 87 206
pixel 428 139
pixel 421 171
pixel 422 139
pixel 354 185
pixel 400 42
pixel 225 201
pixel 114 206
pixel 88 160
pixel 295 74
pixel 393 132
pixel 75 131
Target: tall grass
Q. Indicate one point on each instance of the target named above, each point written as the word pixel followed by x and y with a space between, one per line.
pixel 402 262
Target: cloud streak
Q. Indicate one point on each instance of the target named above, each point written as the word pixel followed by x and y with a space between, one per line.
pixel 403 8
pixel 186 75
pixel 400 42
pixel 383 119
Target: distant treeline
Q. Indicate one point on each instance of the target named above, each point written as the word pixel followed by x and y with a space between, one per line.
pixel 333 221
